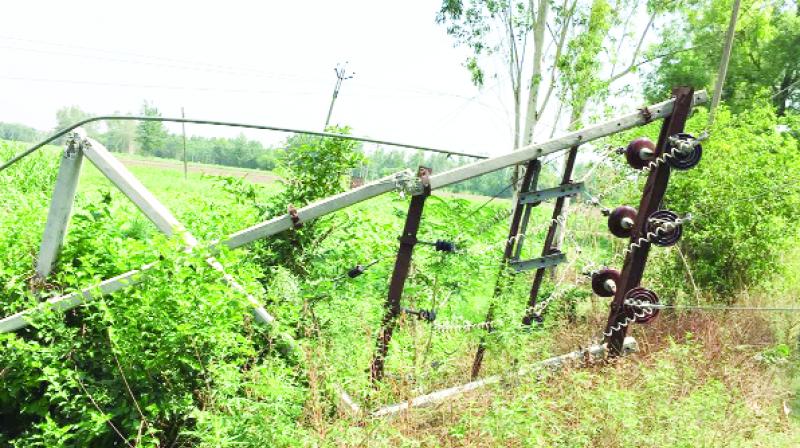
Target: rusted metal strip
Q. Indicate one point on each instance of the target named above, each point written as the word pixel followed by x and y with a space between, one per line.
pixel 529 181
pixel 652 195
pixel 401 266
pixel 566 179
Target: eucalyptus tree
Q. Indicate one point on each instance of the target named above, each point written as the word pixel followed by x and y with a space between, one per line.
pixel 564 49
pixel 765 59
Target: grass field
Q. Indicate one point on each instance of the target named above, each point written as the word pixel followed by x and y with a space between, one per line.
pixel 699 379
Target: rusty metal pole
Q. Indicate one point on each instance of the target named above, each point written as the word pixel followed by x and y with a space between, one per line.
pixel 401 267
pixel 551 233
pixel 529 181
pixel 652 196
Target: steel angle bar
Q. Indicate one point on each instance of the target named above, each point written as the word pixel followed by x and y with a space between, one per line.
pixel 392 309
pixel 556 223
pixel 556 363
pixel 329 205
pixel 534 197
pixel 538 263
pixel 652 197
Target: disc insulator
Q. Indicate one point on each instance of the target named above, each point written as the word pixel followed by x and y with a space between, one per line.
pixel 640 152
pixel 621 221
pixel 640 295
pixel 603 280
pixel 669 234
pixel 688 158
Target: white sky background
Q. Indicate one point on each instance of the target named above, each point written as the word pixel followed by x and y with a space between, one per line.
pixel 258 62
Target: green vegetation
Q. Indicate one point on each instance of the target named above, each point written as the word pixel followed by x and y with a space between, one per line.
pixel 179 359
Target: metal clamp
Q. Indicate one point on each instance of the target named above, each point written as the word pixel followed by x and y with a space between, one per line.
pixel 646 114
pixel 294 216
pixel 407 182
pixel 75 143
pixel 539 263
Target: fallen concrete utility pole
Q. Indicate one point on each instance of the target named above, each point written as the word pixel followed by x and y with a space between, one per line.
pixel 556 363
pixel 460 174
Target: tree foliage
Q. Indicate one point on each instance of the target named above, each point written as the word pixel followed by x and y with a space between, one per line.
pixel 764 55
pixel 745 196
pixel 312 168
pixel 151 134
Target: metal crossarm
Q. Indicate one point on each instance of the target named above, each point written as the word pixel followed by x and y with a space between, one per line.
pixel 538 263
pixel 534 197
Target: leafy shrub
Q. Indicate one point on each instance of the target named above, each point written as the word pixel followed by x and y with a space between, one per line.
pixel 745 196
pixel 312 169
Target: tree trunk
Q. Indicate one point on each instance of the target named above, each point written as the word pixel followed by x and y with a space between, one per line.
pixel 531 115
pixel 783 93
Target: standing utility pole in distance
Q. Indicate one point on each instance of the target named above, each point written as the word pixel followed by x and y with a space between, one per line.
pixel 341 75
pixel 185 165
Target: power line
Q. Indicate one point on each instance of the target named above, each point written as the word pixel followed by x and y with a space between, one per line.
pixel 151 86
pixel 203 67
pixel 64 131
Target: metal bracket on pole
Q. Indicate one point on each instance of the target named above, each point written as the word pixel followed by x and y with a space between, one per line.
pixel 652 196
pixel 538 278
pixel 519 220
pixel 539 263
pixel 564 190
pixel 401 267
pixel 60 205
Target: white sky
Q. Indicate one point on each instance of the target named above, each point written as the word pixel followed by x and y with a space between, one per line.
pixel 262 62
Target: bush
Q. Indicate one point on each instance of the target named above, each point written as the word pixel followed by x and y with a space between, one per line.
pixel 745 197
pixel 312 169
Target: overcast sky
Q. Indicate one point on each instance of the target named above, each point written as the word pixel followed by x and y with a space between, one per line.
pixel 262 62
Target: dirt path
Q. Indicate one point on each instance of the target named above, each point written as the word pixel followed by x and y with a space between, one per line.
pixel 259 177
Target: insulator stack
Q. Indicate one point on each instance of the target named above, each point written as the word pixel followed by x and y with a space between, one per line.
pixel 686 152
pixel 666 228
pixel 636 300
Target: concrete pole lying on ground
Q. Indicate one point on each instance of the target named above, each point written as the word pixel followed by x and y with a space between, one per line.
pixel 556 363
pixel 460 174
